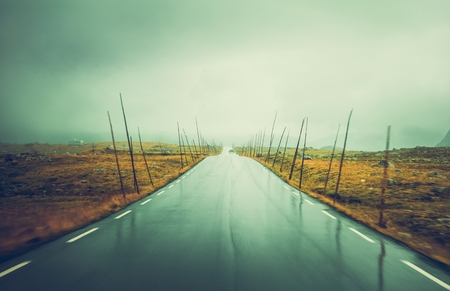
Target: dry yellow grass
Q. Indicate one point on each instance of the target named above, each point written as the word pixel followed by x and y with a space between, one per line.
pixel 417 205
pixel 55 189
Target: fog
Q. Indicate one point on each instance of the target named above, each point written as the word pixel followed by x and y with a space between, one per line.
pixel 231 65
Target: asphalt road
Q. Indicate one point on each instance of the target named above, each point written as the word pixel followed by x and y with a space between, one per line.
pixel 228 224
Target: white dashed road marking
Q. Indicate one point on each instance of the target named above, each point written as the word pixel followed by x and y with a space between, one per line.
pixel 428 275
pixel 12 269
pixel 361 235
pixel 146 201
pixel 81 235
pixel 328 214
pixel 309 202
pixel 123 214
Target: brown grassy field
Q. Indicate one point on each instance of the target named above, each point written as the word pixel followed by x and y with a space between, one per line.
pixel 49 190
pixel 417 205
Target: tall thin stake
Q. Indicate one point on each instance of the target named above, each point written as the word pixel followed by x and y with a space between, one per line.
pixel 136 187
pixel 296 151
pixel 385 174
pixel 342 158
pixel 198 136
pixel 117 158
pixel 279 144
pixel 284 152
pixel 271 137
pixel 145 159
pixel 331 161
pixel 303 157
pixel 160 147
pixel 179 143
pixel 262 142
pixel 189 147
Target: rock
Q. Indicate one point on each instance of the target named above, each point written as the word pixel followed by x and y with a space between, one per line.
pixel 83 181
pixel 404 235
pixel 100 170
pixel 383 162
pixel 399 171
pixel 434 175
pixel 390 182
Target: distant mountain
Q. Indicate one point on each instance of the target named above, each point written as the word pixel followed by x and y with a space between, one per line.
pixel 329 148
pixel 445 142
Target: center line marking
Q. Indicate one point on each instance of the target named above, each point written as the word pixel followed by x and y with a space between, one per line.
pixel 81 235
pixel 170 186
pixel 309 202
pixel 295 193
pixel 123 214
pixel 146 201
pixel 183 177
pixel 328 214
pixel 286 187
pixel 178 181
pixel 160 193
pixel 428 275
pixel 12 269
pixel 361 235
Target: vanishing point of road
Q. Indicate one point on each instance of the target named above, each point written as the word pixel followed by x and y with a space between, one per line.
pixel 227 224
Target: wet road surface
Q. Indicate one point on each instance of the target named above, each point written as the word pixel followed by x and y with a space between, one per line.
pixel 227 224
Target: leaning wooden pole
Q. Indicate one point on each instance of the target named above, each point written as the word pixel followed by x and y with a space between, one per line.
pixel 117 158
pixel 331 161
pixel 284 152
pixel 145 159
pixel 189 147
pixel 342 158
pixel 195 149
pixel 136 186
pixel 279 144
pixel 179 143
pixel 271 137
pixel 296 151
pixel 303 158
pixel 385 174
pixel 262 142
pixel 198 136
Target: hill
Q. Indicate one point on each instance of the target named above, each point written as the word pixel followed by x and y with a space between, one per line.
pixel 445 142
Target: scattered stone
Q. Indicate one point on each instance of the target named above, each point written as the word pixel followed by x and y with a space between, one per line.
pixel 399 171
pixel 100 170
pixel 404 235
pixel 382 163
pixel 363 180
pixel 391 182
pixel 434 175
pixel 83 181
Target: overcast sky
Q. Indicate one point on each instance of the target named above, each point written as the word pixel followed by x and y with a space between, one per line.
pixel 231 64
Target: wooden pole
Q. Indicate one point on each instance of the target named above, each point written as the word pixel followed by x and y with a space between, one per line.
pixel 198 136
pixel 189 147
pixel 271 137
pixel 117 158
pixel 342 158
pixel 179 143
pixel 136 187
pixel 279 144
pixel 296 151
pixel 331 161
pixel 385 175
pixel 284 152
pixel 262 143
pixel 303 157
pixel 145 159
